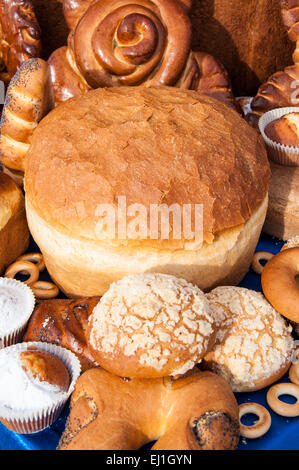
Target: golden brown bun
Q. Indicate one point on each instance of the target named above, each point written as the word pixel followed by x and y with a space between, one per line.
pixel 247 36
pixel 282 219
pixel 128 145
pixel 29 97
pixel 280 285
pixel 14 234
pixel 151 325
pixel 284 130
pixel 19 34
pixel 63 322
pixel 45 367
pixel 254 346
pixel 198 412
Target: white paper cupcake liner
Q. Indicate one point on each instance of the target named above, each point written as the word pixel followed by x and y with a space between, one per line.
pixel 279 153
pixel 16 334
pixel 35 420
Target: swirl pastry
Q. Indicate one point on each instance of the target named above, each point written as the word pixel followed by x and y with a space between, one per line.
pixel 19 35
pixel 119 42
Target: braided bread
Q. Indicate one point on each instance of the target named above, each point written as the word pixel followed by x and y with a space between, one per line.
pixel 19 35
pixel 197 412
pixel 29 97
pixel 282 88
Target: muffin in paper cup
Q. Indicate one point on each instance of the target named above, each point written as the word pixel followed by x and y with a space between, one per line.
pixel 17 303
pixel 36 416
pixel 279 153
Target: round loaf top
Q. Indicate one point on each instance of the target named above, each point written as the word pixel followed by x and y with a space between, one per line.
pixel 151 325
pixel 153 145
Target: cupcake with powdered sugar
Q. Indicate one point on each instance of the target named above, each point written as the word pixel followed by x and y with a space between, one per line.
pixel 36 380
pixel 16 306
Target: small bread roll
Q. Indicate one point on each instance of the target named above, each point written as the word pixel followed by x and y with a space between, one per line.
pixel 253 345
pixel 151 325
pixel 14 233
pixel 284 130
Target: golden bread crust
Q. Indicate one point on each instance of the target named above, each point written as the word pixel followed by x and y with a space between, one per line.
pixel 153 145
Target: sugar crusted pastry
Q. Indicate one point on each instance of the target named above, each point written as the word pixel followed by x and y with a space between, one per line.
pixel 254 345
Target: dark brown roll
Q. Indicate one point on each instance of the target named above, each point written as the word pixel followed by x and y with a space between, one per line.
pixel 63 322
pixel 20 35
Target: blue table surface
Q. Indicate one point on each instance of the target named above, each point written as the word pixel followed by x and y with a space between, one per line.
pixel 283 434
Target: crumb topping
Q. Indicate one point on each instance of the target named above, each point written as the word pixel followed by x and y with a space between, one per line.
pixel 253 341
pixel 154 317
pixel 292 243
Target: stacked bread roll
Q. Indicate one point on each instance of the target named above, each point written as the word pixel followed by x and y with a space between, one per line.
pixel 148 328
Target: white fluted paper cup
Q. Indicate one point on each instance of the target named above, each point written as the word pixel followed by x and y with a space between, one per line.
pixel 28 420
pixel 285 155
pixel 17 303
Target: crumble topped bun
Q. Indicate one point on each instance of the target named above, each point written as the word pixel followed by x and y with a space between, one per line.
pixel 151 325
pixel 253 345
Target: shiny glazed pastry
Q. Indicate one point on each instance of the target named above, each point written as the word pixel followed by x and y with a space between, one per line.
pixel 64 322
pixel 147 146
pixel 14 234
pixel 125 42
pixel 197 412
pixel 151 325
pixel 254 345
pixel 20 36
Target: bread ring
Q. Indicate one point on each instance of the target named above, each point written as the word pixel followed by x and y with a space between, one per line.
pixel 261 426
pixel 256 261
pixel 279 283
pixel 23 266
pixel 44 290
pixel 280 407
pixel 195 412
pixel 35 258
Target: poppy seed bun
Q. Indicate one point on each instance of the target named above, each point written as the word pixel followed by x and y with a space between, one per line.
pixel 155 145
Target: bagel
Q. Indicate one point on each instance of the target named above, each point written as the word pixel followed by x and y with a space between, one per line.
pixel 279 283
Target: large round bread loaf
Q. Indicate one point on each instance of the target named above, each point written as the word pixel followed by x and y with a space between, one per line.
pixel 145 146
